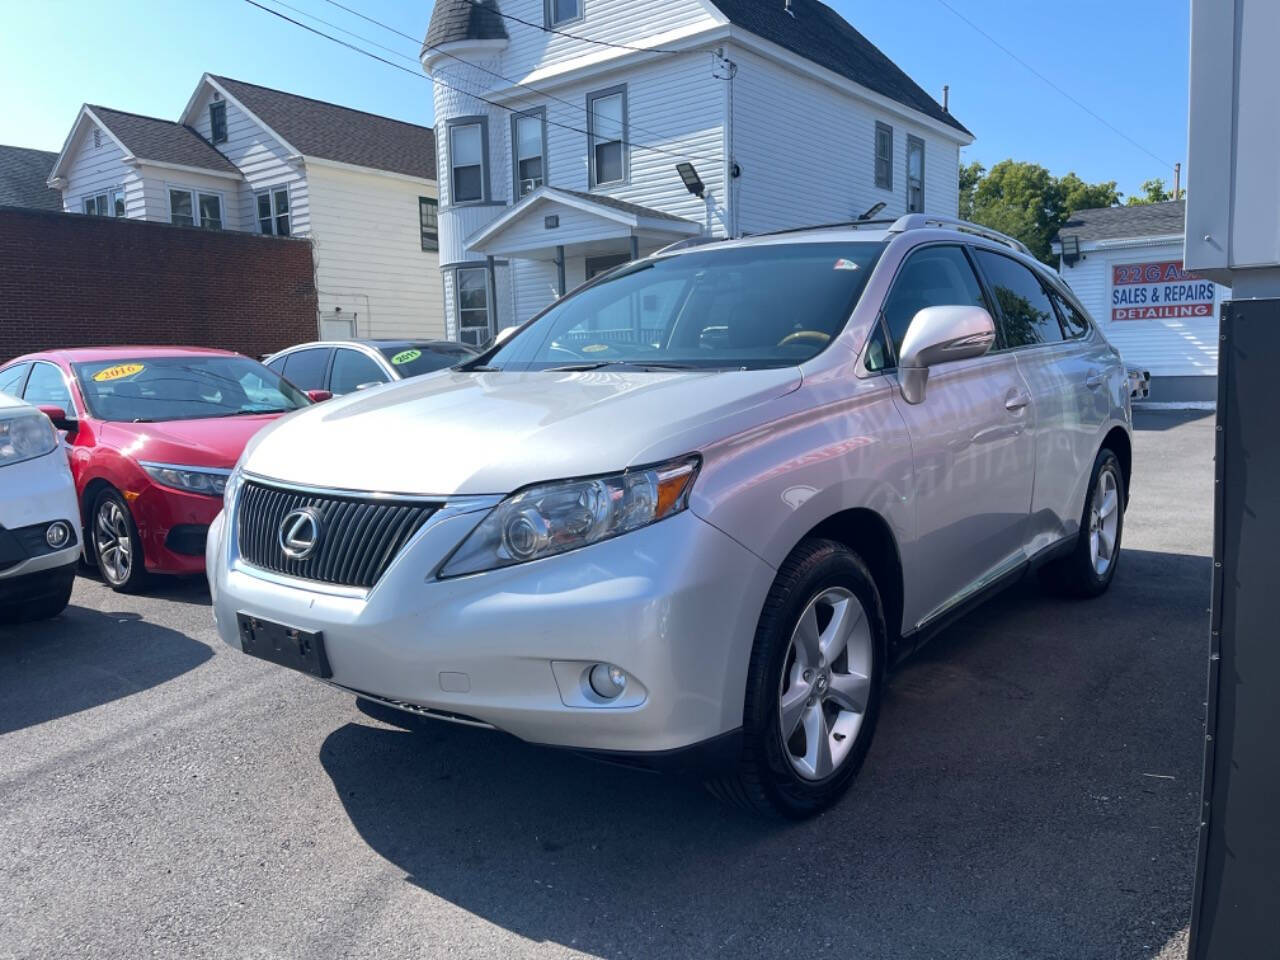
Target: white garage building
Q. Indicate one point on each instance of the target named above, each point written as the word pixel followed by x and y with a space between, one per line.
pixel 1125 264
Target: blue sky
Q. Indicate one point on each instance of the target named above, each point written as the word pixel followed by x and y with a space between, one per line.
pixel 1126 60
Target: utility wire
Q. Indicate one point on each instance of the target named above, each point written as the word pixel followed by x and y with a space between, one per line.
pixel 564 33
pixel 344 30
pixel 450 86
pixel 475 66
pixel 1106 123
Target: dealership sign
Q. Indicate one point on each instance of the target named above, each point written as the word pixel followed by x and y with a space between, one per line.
pixel 1158 291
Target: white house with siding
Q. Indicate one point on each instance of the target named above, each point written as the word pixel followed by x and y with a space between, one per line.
pixel 560 124
pixel 1125 265
pixel 361 187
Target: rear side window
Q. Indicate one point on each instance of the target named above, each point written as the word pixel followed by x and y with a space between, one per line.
pixel 305 369
pixel 353 369
pixel 930 277
pixel 1074 323
pixel 1027 316
pixel 12 378
pixel 277 365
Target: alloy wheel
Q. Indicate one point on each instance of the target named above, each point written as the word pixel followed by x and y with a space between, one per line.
pixel 825 684
pixel 1104 521
pixel 112 542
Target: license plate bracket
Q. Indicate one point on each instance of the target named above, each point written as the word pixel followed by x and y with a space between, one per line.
pixel 301 650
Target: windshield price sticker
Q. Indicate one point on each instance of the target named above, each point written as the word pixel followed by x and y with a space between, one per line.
pixel 843 264
pixel 119 372
pixel 406 356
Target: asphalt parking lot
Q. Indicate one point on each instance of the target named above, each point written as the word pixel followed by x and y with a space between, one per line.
pixel 1032 792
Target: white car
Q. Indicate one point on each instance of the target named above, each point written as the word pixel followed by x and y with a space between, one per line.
pixel 39 516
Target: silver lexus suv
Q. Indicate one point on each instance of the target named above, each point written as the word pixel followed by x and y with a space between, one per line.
pixel 692 514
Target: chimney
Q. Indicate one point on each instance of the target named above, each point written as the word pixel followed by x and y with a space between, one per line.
pixel 946 98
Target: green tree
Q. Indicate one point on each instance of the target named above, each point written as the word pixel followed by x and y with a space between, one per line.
pixel 1153 191
pixel 1025 201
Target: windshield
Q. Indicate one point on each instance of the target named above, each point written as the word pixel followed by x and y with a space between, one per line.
pixel 415 359
pixel 748 307
pixel 193 387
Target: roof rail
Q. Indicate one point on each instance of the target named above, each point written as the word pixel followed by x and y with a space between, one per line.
pixel 921 221
pixel 688 242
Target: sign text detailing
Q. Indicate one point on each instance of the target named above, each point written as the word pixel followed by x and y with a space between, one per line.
pixel 1158 291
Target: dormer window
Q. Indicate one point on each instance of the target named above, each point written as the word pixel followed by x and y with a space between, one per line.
pixel 560 12
pixel 218 121
pixel 468 138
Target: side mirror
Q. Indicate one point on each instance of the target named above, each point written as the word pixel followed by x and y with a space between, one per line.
pixel 319 396
pixel 941 335
pixel 58 416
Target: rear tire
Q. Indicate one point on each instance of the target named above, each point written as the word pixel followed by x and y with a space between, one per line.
pixel 809 717
pixel 1090 567
pixel 117 547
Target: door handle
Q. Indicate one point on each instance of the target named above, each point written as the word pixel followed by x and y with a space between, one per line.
pixel 1016 402
pixel 1094 380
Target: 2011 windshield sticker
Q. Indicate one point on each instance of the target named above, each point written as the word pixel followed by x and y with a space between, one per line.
pixel 119 372
pixel 843 264
pixel 406 356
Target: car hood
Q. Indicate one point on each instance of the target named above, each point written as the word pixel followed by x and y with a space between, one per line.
pixel 457 432
pixel 213 442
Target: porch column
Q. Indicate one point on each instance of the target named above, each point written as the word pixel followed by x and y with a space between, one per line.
pixel 559 271
pixel 635 247
pixel 491 278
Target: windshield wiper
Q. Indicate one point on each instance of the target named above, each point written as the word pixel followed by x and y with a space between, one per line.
pixel 633 364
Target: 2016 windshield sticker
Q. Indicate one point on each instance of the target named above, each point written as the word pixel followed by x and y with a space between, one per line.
pixel 406 356
pixel 843 264
pixel 119 372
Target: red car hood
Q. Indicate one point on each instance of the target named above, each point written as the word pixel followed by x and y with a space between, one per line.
pixel 212 442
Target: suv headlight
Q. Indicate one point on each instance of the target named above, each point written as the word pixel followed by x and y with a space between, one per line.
pixel 204 480
pixel 25 436
pixel 552 518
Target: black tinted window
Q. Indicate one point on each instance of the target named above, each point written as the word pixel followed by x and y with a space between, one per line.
pixel 932 277
pixel 1026 314
pixel 412 360
pixel 11 379
pixel 45 385
pixel 352 369
pixel 305 369
pixel 1074 323
pixel 277 365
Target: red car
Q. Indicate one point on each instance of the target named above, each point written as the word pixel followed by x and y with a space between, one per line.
pixel 152 434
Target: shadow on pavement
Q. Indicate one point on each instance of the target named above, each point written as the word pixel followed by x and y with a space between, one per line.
pixel 1032 791
pixel 84 658
pixel 181 589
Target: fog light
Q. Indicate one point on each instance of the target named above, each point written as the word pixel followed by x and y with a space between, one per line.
pixel 607 681
pixel 57 535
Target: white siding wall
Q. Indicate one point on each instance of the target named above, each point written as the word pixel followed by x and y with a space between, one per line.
pixel 807 152
pixel 1167 348
pixel 157 181
pixel 94 170
pixel 617 21
pixel 262 159
pixel 367 241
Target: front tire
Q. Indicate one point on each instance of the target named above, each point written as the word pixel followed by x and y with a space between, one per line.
pixel 1091 566
pixel 117 547
pixel 813 687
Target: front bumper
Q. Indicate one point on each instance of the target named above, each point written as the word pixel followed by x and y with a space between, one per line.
pixel 34 494
pixel 172 525
pixel 674 604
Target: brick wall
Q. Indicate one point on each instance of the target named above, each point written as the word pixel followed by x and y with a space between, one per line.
pixel 70 280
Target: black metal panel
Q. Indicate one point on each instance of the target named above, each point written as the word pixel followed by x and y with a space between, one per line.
pixel 359 537
pixel 1236 913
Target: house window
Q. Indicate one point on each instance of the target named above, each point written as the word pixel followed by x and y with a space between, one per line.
pixel 884 156
pixel 273 212
pixel 194 208
pixel 428 222
pixel 562 11
pixel 117 203
pixel 218 121
pixel 467 151
pixel 607 135
pixel 473 304
pixel 97 206
pixel 915 175
pixel 529 148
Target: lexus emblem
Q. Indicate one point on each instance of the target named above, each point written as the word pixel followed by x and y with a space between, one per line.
pixel 300 533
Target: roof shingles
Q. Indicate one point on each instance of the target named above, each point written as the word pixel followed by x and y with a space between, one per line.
pixel 456 20
pixel 150 138
pixel 23 173
pixel 327 131
pixel 1127 223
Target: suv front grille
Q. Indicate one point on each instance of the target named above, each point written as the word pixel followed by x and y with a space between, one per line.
pixel 357 538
